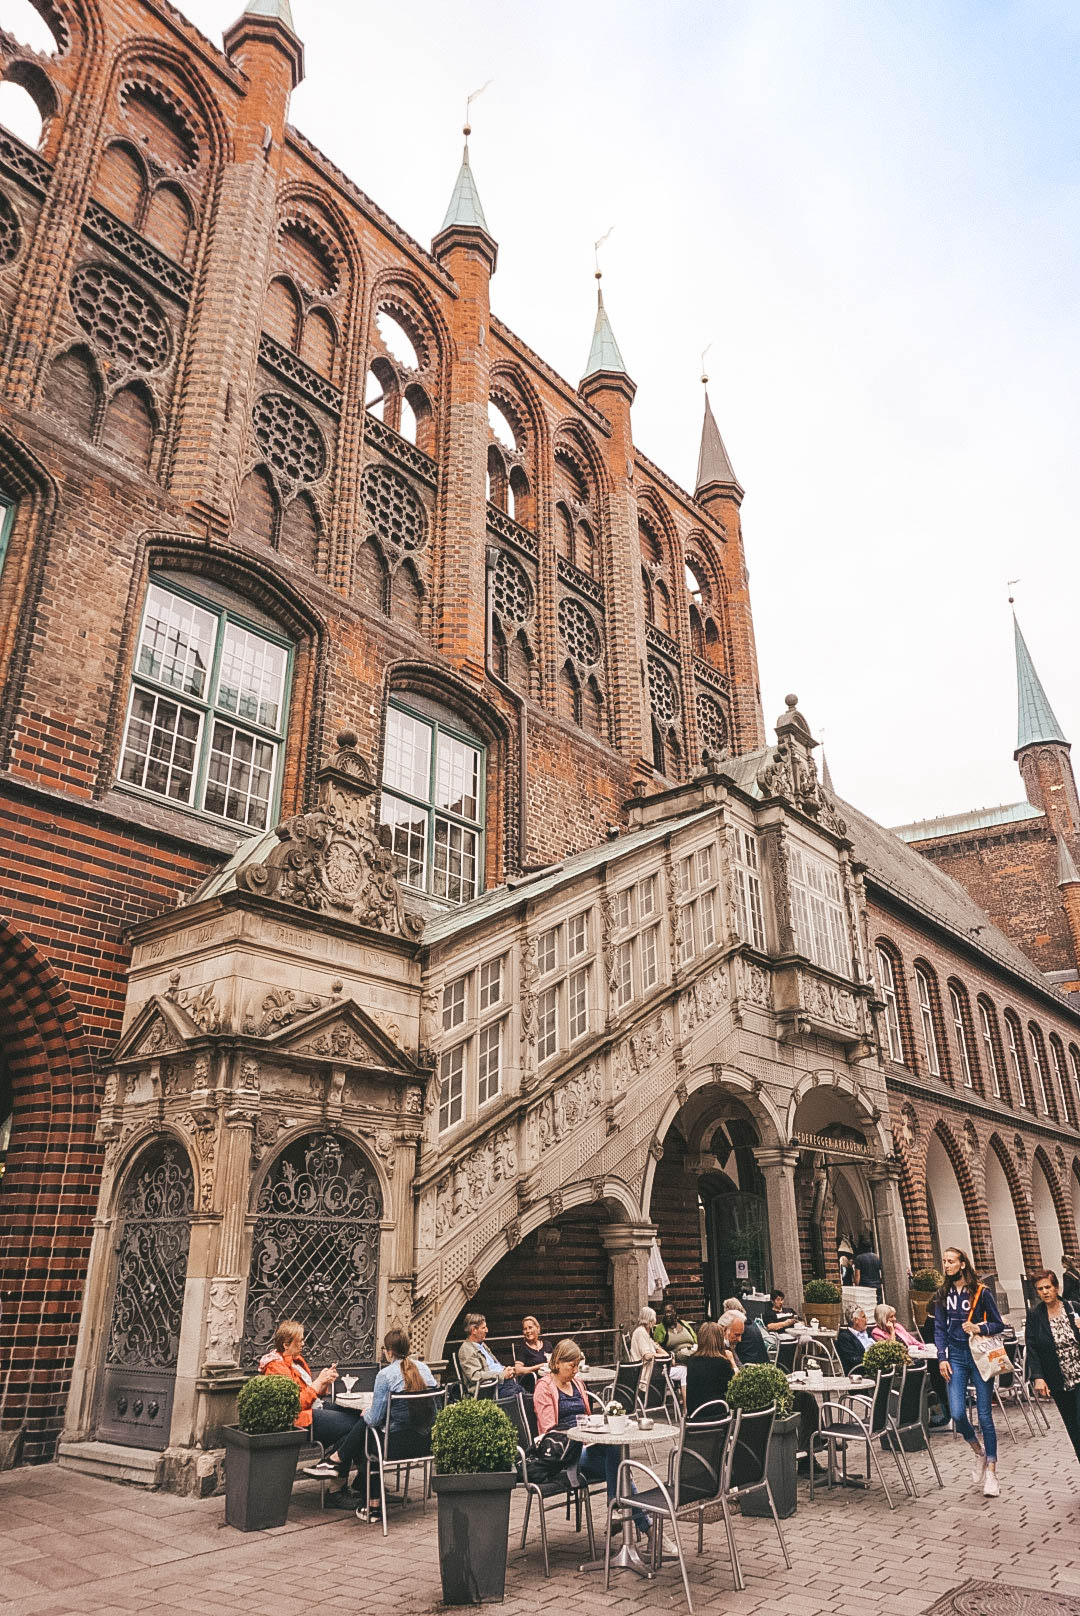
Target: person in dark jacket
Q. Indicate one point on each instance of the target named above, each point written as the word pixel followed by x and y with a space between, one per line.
pixel 965 1309
pixel 868 1267
pixel 709 1371
pixel 1053 1351
pixel 853 1339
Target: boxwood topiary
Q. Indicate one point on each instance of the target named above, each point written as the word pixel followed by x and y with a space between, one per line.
pixel 885 1355
pixel 758 1386
pixel 927 1279
pixel 472 1436
pixel 821 1290
pixel 267 1403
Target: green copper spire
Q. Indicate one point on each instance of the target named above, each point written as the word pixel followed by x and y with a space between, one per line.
pixel 1035 719
pixel 604 353
pixel 465 210
pixel 281 9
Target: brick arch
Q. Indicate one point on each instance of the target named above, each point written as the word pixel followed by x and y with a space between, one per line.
pixel 48 1191
pixel 144 51
pixel 916 1220
pixel 1025 1223
pixel 37 498
pixel 974 1203
pixel 903 998
pixel 1061 1204
pixel 578 444
pixel 411 292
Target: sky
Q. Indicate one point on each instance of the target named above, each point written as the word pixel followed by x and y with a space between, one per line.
pixel 867 211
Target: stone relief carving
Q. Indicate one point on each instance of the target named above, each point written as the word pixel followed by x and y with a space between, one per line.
pixel 223 1322
pixel 641 1050
pixel 200 1003
pixel 267 1128
pixel 669 881
pixel 513 1233
pixel 529 976
pixel 470 1284
pixel 331 860
pixel 556 1202
pixel 430 1024
pixel 1060 1158
pixel 158 1039
pixel 789 770
pixel 560 1112
pixel 399 1303
pixel 909 1126
pixel 971 1140
pixel 474 1180
pixel 340 1042
pixel 277 1008
pixel 607 934
pixel 825 1001
pixel 425 1233
pixel 754 984
pixel 1020 1148
pixel 203 1134
pixel 704 999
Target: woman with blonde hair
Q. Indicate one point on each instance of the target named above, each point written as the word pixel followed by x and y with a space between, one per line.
pixel 559 1401
pixel 886 1327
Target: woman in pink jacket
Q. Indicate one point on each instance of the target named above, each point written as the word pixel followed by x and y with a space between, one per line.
pixel 558 1401
pixel 887 1329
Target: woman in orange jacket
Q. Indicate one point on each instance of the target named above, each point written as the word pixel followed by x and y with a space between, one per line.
pixel 328 1423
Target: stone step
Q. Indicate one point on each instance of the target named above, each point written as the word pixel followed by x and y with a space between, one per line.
pixel 137 1467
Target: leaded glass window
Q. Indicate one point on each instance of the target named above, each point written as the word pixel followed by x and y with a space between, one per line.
pixel 432 803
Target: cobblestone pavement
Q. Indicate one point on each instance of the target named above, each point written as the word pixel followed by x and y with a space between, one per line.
pixel 72 1544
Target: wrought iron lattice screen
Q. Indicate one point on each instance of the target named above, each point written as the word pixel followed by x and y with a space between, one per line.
pixel 151 1263
pixel 315 1252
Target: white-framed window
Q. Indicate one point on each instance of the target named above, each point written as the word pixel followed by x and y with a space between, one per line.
pixel 206 717
pixel 492 974
pixel 623 909
pixel 577 935
pixel 489 1062
pixel 7 518
pixel 1074 1062
pixel 1063 1080
pixel 683 877
pixel 455 1003
pixel 451 1087
pixel 1012 1035
pixel 887 982
pixel 547 1023
pixel 926 1015
pixel 647 897
pixel 703 866
pixel 989 1051
pixel 818 915
pixel 624 973
pixel 960 1036
pixel 695 904
pixel 650 958
pixel 706 914
pixel 578 1003
pixel 433 804
pixel 547 951
pixel 746 871
pixel 684 934
pixel 1040 1066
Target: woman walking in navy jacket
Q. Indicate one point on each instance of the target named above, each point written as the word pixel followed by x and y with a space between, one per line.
pixel 965 1308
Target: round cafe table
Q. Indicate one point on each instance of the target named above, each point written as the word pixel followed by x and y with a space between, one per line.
pixel 832 1386
pixel 626 1555
pixel 361 1401
pixel 596 1375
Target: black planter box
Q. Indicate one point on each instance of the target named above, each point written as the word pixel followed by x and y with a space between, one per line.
pixel 782 1473
pixel 474 1525
pixel 260 1469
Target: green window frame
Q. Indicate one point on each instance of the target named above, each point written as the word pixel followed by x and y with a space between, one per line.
pixel 433 788
pixel 7 519
pixel 207 713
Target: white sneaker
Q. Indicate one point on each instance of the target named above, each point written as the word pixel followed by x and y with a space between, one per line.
pixel 990 1486
pixel 978 1470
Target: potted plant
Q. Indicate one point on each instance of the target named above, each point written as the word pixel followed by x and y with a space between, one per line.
pixel 821 1301
pixel 616 1417
pixel 260 1453
pixel 474 1447
pixel 758 1386
pixel 923 1285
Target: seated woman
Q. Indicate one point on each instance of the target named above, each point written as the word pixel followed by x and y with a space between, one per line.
pixel 709 1371
pixel 558 1401
pixel 328 1423
pixel 410 1432
pixel 886 1327
pixel 643 1347
pixel 532 1351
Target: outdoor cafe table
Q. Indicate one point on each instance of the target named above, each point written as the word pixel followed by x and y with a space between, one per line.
pixel 832 1386
pixel 632 1437
pixel 361 1401
pixel 596 1375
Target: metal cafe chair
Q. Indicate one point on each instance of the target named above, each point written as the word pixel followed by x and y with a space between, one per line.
pixel 746 1470
pixel 695 1479
pixel 847 1426
pixel 908 1419
pixel 557 1493
pixel 422 1408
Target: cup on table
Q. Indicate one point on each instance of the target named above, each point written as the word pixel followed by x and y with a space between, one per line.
pixel 814 1324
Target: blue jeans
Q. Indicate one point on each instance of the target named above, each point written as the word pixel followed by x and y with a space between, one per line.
pixel 963 1373
pixel 601 1461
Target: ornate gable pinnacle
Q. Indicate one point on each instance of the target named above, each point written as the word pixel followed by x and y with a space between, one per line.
pixel 789 770
pixel 332 860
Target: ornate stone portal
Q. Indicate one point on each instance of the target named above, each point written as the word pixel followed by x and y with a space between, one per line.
pixel 269 1064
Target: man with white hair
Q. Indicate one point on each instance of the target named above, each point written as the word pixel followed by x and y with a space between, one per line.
pixel 853 1340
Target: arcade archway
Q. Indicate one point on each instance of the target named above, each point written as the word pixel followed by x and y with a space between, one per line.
pixel 1074 1185
pixel 1005 1233
pixel 945 1203
pixel 1047 1227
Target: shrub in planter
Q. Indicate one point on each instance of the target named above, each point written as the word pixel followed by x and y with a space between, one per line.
pixel 821 1301
pixel 923 1285
pixel 885 1355
pixel 755 1387
pixel 474 1446
pixel 260 1453
pixel 927 1280
pixel 758 1386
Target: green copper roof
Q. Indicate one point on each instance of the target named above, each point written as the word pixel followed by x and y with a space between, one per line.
pixel 604 353
pixel 1067 876
pixel 714 464
pixel 281 9
pixel 1035 719
pixel 465 205
pixel 925 830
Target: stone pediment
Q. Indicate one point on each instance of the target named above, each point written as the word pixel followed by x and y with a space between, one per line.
pixel 348 1035
pixel 161 1027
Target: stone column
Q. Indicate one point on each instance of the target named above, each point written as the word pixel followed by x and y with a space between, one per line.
pixel 628 1245
pixel 778 1170
pixel 892 1236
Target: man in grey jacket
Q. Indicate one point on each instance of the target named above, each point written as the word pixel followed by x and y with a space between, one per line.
pixel 479 1365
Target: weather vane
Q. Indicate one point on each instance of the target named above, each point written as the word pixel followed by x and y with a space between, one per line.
pixel 1012 581
pixel 467 131
pixel 704 377
pixel 596 251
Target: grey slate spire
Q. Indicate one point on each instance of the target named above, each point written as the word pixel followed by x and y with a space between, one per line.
pixel 1035 721
pixel 466 210
pixel 1067 876
pixel 826 775
pixel 604 353
pixel 714 464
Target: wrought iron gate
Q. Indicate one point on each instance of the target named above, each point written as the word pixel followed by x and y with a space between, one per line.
pixel 148 1300
pixel 315 1253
